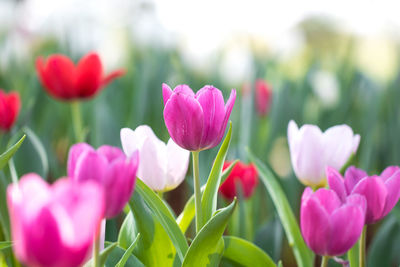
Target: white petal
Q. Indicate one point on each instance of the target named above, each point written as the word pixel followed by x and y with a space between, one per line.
pixel 178 162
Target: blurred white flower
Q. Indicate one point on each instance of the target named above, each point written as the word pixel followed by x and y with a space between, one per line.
pixel 325 85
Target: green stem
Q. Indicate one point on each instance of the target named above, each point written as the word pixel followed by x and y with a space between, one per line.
pixel 197 192
pixel 96 251
pixel 77 121
pixel 362 247
pixel 325 260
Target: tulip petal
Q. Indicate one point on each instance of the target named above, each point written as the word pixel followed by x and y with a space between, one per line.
pixel 111 152
pixel 338 142
pixel 328 199
pixel 167 92
pixel 112 76
pixel 184 89
pixel 388 172
pixel 73 155
pixel 90 166
pixel 375 193
pixel 357 200
pixel 213 106
pixel 184 119
pixel 88 76
pixel 177 164
pixel 352 177
pixel 393 188
pixel 336 183
pixel 347 225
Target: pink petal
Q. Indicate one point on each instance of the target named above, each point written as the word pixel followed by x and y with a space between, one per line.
pixel 90 166
pixel 74 153
pixel 111 152
pixel 393 188
pixel 167 92
pixel 352 177
pixel 328 199
pixel 228 109
pixel 336 183
pixel 388 172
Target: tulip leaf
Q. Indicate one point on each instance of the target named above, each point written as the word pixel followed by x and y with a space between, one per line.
pixel 188 213
pixel 155 247
pixel 352 255
pixel 209 198
pixel 6 156
pixel 302 253
pixel 208 245
pixel 245 253
pixel 116 256
pixel 103 255
pixel 128 252
pixel 5 244
pixel 127 232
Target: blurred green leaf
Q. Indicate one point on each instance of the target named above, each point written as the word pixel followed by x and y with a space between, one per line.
pixel 303 255
pixel 5 244
pixel 128 252
pixel 41 151
pixel 208 246
pixel 164 216
pixel 6 156
pixel 209 198
pixel 245 253
pixel 352 255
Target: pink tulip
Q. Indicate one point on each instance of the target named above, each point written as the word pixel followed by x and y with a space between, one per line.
pixel 196 121
pixel 53 226
pixel 110 168
pixel 329 226
pixel 312 150
pixel 381 192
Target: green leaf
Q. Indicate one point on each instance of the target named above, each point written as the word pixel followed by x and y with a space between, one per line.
pixel 128 252
pixel 302 253
pixel 188 213
pixel 103 255
pixel 208 245
pixel 155 247
pixel 163 214
pixel 5 244
pixel 245 253
pixel 116 256
pixel 209 198
pixel 6 156
pixel 127 231
pixel 41 151
pixel 352 255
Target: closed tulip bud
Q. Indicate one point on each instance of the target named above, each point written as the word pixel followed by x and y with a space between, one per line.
pixel 263 97
pixel 330 226
pixel 162 166
pixel 381 192
pixel 243 176
pixel 65 81
pixel 312 150
pixel 109 167
pixel 196 121
pixel 10 105
pixel 54 226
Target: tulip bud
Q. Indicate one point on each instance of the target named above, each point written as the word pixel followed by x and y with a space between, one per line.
pixel 329 226
pixel 311 150
pixel 242 175
pixel 263 97
pixel 109 167
pixel 381 192
pixel 196 121
pixel 10 105
pixel 54 226
pixel 65 81
pixel 162 166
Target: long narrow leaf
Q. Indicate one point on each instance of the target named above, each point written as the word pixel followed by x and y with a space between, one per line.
pixel 128 252
pixel 6 156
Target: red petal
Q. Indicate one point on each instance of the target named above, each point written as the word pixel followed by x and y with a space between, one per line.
pixel 113 75
pixel 89 74
pixel 9 108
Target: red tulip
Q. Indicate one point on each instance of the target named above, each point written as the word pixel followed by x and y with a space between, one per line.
pixel 10 105
pixel 244 175
pixel 63 80
pixel 263 97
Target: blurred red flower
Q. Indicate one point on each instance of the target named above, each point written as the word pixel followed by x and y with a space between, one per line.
pixel 244 175
pixel 263 97
pixel 65 81
pixel 10 105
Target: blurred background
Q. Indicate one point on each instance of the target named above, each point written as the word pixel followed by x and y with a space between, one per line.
pixel 326 62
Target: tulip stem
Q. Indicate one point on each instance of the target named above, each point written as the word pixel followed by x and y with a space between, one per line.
pixel 77 121
pixel 362 246
pixel 197 192
pixel 96 251
pixel 325 260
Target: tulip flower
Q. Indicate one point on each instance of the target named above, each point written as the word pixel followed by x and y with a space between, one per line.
pixel 263 97
pixel 109 167
pixel 311 150
pixel 381 192
pixel 53 226
pixel 329 225
pixel 65 81
pixel 242 175
pixel 196 121
pixel 162 166
pixel 10 105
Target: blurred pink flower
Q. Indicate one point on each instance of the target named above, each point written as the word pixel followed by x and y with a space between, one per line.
pixel 196 121
pixel 109 167
pixel 381 192
pixel 263 97
pixel 329 226
pixel 54 226
pixel 10 105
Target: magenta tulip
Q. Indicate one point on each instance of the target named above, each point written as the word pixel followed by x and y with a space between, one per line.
pixel 196 121
pixel 110 168
pixel 54 226
pixel 381 192
pixel 330 226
